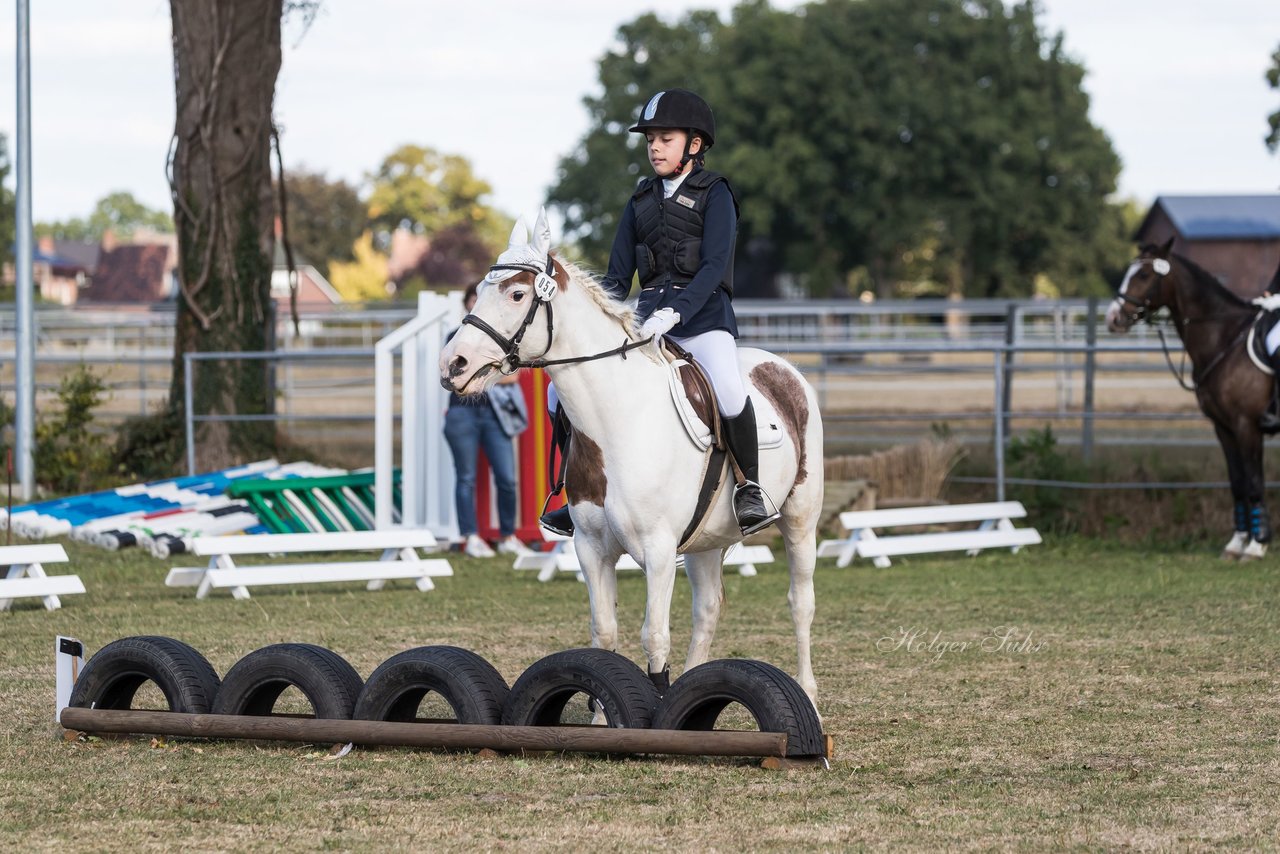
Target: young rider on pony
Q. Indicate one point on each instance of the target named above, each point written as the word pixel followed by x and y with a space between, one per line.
pixel 678 232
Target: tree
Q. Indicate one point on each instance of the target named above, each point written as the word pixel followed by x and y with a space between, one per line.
pixel 428 192
pixel 8 203
pixel 456 257
pixel 364 278
pixel 226 59
pixel 952 126
pixel 326 218
pixel 118 212
pixel 1273 79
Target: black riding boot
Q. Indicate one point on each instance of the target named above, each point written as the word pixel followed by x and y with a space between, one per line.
pixel 749 498
pixel 1269 421
pixel 559 521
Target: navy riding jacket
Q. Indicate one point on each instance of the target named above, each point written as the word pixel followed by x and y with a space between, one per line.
pixel 703 304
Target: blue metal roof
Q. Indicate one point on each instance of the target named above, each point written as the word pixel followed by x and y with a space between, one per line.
pixel 1223 217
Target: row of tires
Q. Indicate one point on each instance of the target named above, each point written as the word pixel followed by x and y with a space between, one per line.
pixel 473 689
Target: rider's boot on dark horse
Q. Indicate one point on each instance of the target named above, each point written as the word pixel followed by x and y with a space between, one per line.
pixel 559 521
pixel 748 496
pixel 1269 421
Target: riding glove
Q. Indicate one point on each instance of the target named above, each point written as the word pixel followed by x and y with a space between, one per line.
pixel 659 323
pixel 1267 302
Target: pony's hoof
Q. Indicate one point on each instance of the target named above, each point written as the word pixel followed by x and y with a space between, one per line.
pixel 1235 546
pixel 1229 555
pixel 1254 551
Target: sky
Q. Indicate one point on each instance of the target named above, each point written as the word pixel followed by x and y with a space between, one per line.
pixel 1177 85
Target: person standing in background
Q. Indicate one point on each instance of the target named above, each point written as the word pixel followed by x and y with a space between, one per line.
pixel 489 421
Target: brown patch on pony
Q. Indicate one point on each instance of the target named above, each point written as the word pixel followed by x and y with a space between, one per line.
pixel 559 273
pixel 585 480
pixel 786 394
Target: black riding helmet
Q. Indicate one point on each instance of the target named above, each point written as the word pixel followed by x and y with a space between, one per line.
pixel 679 108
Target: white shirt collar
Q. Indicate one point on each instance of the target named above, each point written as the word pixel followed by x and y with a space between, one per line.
pixel 670 185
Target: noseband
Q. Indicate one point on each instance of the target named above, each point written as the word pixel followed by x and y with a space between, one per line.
pixel 1161 268
pixel 544 288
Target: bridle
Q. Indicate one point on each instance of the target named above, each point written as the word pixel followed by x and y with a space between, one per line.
pixel 545 288
pixel 1161 267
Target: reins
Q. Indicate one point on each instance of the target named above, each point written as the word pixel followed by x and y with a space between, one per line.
pixel 544 288
pixel 1198 376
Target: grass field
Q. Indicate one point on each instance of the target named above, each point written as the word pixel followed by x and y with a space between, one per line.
pixel 1130 699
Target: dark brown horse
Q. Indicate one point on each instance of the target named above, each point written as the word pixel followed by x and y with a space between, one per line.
pixel 1232 391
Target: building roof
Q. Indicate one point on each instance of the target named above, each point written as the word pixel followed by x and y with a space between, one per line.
pixel 131 273
pixel 81 253
pixel 1221 217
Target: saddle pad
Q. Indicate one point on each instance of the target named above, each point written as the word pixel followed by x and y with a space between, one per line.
pixel 768 425
pixel 1256 346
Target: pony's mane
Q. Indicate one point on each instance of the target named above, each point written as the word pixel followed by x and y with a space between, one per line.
pixel 1207 279
pixel 619 310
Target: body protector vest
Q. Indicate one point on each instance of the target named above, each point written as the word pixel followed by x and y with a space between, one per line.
pixel 669 231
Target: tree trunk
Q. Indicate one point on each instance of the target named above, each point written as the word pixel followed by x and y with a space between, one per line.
pixel 226 55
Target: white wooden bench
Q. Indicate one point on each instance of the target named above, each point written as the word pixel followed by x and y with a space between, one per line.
pixel 25 575
pixel 995 530
pixel 399 559
pixel 563 558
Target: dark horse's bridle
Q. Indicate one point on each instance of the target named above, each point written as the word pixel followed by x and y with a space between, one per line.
pixel 544 289
pixel 1161 267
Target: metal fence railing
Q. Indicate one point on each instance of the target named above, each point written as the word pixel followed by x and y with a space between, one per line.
pixel 885 373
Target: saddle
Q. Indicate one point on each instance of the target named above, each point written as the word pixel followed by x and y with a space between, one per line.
pixel 695 401
pixel 1256 345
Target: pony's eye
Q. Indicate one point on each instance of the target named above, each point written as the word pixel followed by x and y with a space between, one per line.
pixel 516 296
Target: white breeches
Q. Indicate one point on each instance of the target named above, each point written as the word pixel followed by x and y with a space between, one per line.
pixel 717 352
pixel 1273 339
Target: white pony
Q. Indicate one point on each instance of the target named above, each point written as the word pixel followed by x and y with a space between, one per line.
pixel 634 475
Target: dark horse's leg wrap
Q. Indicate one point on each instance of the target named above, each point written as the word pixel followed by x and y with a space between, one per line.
pixel 1259 523
pixel 1242 517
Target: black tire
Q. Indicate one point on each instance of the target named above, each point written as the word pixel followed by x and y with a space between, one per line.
pixel 469 684
pixel 774 699
pixel 113 676
pixel 253 685
pixel 539 696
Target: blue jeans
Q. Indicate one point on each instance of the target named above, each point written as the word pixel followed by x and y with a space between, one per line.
pixel 467 429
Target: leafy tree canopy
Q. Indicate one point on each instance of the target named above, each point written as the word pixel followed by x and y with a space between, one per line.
pixel 1273 78
pixel 859 132
pixel 118 212
pixel 8 215
pixel 428 192
pixel 325 218
pixel 364 278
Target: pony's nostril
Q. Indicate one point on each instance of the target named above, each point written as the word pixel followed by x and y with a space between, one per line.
pixel 457 366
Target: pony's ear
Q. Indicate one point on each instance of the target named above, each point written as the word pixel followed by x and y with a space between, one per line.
pixel 519 235
pixel 1166 248
pixel 542 233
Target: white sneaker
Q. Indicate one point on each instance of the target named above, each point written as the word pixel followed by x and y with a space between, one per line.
pixel 476 547
pixel 512 546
